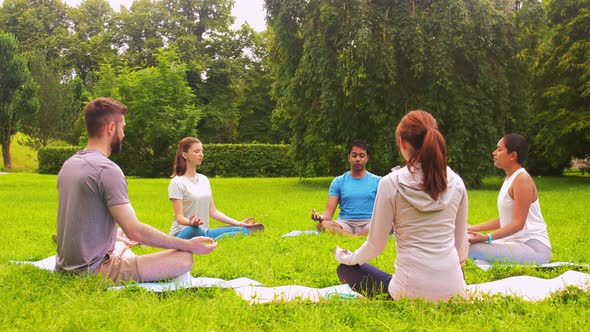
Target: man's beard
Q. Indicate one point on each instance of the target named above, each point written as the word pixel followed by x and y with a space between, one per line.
pixel 116 145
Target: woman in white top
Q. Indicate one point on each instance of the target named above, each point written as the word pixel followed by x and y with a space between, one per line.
pixel 192 198
pixel 520 232
pixel 426 202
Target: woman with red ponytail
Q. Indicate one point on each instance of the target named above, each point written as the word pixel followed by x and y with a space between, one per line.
pixel 426 203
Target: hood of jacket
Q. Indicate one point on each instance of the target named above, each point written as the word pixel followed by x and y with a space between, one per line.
pixel 408 185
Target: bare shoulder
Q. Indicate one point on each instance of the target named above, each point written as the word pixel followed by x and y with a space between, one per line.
pixel 524 179
pixel 524 184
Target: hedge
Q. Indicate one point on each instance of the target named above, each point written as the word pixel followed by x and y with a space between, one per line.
pixel 247 160
pixel 224 160
pixel 51 158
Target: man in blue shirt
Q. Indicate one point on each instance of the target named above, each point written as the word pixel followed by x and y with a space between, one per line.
pixel 355 192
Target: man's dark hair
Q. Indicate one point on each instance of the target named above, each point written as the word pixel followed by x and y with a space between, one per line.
pixel 358 144
pixel 515 142
pixel 101 111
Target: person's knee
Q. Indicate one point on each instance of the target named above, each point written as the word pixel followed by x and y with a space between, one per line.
pixel 344 271
pixel 331 226
pixel 475 251
pixel 186 261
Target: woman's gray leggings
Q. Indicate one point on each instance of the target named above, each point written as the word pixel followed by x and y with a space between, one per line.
pixel 530 252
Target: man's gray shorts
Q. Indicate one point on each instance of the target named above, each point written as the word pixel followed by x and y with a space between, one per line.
pixel 354 226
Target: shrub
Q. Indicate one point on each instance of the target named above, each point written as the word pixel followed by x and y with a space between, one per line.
pixel 246 160
pixel 51 158
pixel 224 160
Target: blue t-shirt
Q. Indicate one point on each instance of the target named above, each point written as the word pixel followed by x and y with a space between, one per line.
pixel 355 196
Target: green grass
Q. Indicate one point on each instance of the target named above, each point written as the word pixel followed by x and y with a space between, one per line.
pixel 33 299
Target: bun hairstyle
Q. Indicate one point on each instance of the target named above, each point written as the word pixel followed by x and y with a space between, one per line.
pixel 427 148
pixel 179 167
pixel 515 142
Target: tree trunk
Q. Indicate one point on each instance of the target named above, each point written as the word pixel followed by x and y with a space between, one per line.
pixel 6 153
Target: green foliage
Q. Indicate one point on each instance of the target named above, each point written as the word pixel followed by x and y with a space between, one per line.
pixel 325 73
pixel 561 95
pixel 161 112
pixel 29 295
pixel 140 31
pixel 17 93
pixel 352 69
pixel 94 36
pixel 247 160
pixel 225 160
pixel 52 158
pixel 39 24
pixel 254 98
pixel 60 99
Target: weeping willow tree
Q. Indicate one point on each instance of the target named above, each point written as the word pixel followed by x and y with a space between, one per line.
pixel 560 127
pixel 348 69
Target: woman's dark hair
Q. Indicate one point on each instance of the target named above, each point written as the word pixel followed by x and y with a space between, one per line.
pixel 420 130
pixel 358 144
pixel 515 142
pixel 179 167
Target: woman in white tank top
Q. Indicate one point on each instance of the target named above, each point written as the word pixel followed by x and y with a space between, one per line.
pixel 519 233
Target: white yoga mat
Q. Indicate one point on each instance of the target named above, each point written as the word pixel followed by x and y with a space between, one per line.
pixel 297 233
pixel 486 266
pixel 531 288
pixel 525 287
pixel 250 290
pixel 259 295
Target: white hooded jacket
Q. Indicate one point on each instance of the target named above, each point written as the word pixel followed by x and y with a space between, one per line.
pixel 431 236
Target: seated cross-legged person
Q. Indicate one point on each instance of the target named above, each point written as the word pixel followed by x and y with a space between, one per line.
pixel 355 192
pixel 427 203
pixel 519 234
pixel 192 198
pixel 93 200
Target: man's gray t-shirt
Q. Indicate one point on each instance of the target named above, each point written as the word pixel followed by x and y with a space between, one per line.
pixel 88 183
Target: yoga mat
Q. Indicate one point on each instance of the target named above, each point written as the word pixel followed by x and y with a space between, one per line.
pixel 297 233
pixel 250 290
pixel 526 287
pixel 531 288
pixel 486 266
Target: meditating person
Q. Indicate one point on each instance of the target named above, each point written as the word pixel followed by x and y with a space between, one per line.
pixel 93 200
pixel 192 198
pixel 519 233
pixel 427 203
pixel 355 192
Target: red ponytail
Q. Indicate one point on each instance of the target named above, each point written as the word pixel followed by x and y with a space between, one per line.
pixel 420 130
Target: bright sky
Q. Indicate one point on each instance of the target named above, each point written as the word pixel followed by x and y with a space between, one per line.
pixel 250 11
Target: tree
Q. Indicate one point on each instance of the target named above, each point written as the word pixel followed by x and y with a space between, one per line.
pixel 561 95
pixel 37 24
pixel 200 31
pixel 94 39
pixel 141 32
pixel 352 69
pixel 17 93
pixel 161 111
pixel 254 97
pixel 60 100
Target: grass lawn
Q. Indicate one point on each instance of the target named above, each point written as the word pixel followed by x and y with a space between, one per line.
pixel 24 159
pixel 33 299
